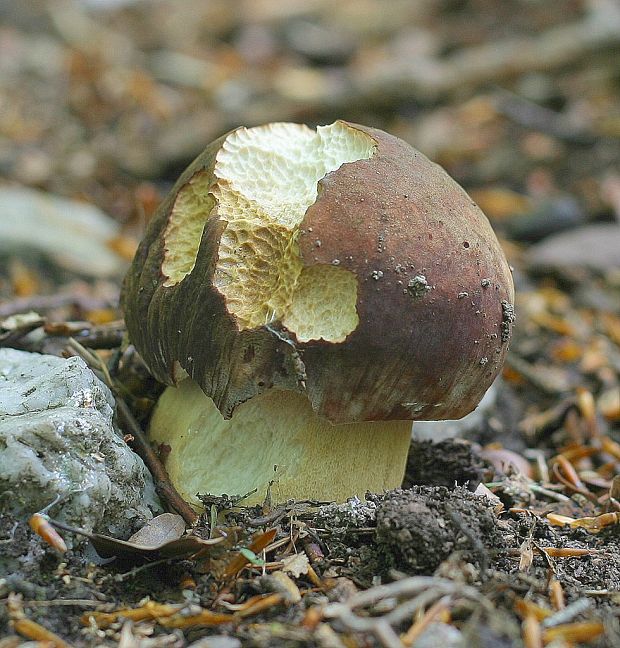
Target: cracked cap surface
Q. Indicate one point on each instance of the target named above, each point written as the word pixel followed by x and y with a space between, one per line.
pixel 285 253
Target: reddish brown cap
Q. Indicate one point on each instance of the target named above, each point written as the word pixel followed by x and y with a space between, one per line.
pixel 434 296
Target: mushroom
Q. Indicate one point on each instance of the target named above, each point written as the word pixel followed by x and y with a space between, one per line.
pixel 307 294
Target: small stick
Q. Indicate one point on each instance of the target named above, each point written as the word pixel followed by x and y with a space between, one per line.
pixel 567 614
pixel 139 442
pixel 479 549
pixel 142 447
pixel 424 621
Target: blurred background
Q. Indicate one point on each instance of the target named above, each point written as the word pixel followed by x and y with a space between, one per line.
pixel 104 102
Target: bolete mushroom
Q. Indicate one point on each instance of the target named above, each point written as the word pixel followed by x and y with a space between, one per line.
pixel 308 293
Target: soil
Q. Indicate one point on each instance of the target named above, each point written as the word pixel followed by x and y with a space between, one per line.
pixel 422 530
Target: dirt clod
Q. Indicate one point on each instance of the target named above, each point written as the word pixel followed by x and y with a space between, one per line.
pixel 446 463
pixel 421 527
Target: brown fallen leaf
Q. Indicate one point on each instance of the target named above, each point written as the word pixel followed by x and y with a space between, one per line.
pixel 65 329
pixel 556 594
pixel 501 203
pixel 532 632
pixel 24 280
pixel 610 447
pixel 31 629
pixel 591 524
pixel 423 621
pixel 36 632
pixel 161 529
pixel 149 611
pixel 203 618
pixel 285 585
pixel 566 552
pixel 526 552
pixel 261 603
pixel 180 547
pixel 175 616
pixel 296 564
pixel 525 609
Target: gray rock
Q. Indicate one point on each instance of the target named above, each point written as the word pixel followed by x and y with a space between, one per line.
pixel 595 247
pixel 319 42
pixel 57 439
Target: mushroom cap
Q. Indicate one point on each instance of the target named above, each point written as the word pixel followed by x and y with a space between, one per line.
pixel 389 296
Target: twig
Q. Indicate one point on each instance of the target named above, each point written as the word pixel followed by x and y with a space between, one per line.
pixel 142 447
pixel 564 472
pixel 536 376
pixel 12 338
pixel 568 613
pixel 531 115
pixel 92 360
pixel 104 336
pixel 119 578
pixel 429 78
pixel 559 497
pixel 139 442
pixel 423 622
pixel 11 536
pixel 420 591
pixel 272 517
pixel 62 602
pixel 475 542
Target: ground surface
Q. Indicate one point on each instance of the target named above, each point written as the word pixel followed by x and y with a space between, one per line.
pixel 109 106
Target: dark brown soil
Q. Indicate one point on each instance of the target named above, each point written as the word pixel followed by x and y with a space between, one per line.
pixel 420 531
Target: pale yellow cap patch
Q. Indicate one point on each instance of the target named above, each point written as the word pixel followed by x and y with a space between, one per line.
pixel 184 231
pixel 265 180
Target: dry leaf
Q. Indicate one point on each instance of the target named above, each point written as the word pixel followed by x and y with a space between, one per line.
pixel 559 520
pixel 203 618
pixel 296 565
pixel 483 491
pixel 526 609
pixel 257 545
pixel 149 611
pixel 591 524
pixel 532 632
pixel 526 552
pixel 259 603
pixel 183 547
pixel 33 630
pixel 566 552
pixel 161 529
pixel 574 632
pixel 286 586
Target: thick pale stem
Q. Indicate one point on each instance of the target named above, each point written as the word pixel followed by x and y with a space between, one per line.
pixel 274 437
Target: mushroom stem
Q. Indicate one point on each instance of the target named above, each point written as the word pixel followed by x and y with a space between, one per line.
pixel 274 437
